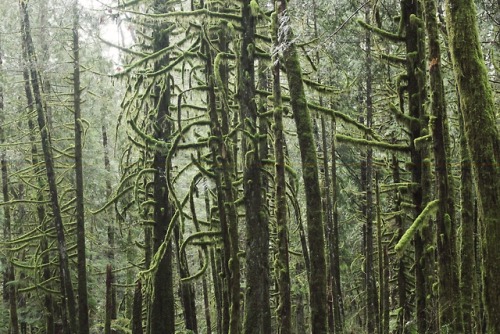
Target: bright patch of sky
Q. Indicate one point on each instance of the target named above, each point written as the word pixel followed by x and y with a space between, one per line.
pixel 111 28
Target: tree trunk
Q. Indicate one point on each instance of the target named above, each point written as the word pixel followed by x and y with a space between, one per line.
pixel 111 220
pixel 420 168
pixel 483 141
pixel 10 290
pixel 162 309
pixel 282 265
pixel 335 256
pixel 372 310
pixel 137 310
pixel 256 222
pixel 67 292
pixel 222 155
pixel 83 308
pixel 404 314
pixel 298 101
pixel 468 268
pixel 187 292
pixel 449 309
pixel 40 209
pixel 108 300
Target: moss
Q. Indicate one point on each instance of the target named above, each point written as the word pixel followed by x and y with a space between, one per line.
pixel 415 20
pixel 373 143
pixel 254 8
pixel 417 224
pixel 383 33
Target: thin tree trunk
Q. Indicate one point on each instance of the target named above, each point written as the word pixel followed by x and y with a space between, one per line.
pixel 137 310
pixel 282 266
pixel 257 231
pixel 108 300
pixel 69 301
pixel 298 101
pixel 10 290
pixel 228 216
pixel 404 314
pixel 111 221
pixel 162 309
pixel 483 141
pixel 337 288
pixel 187 292
pixel 468 257
pixel 48 300
pixel 83 308
pixel 449 310
pixel 420 169
pixel 372 310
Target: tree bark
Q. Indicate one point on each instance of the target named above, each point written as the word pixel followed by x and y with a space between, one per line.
pixel 483 141
pixel 282 266
pixel 10 290
pixel 298 101
pixel 420 167
pixel 449 310
pixel 83 308
pixel 162 309
pixel 67 292
pixel 256 222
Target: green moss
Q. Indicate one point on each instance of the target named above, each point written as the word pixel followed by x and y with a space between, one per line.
pixel 383 33
pixel 417 224
pixel 373 143
pixel 254 8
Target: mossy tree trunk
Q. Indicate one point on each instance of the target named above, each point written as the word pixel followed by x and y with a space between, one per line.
pixel 161 317
pixel 187 291
pixel 483 141
pixel 10 289
pixel 110 219
pixel 162 309
pixel 137 310
pixel 468 267
pixel 282 265
pixel 222 155
pixel 338 304
pixel 372 310
pixel 420 164
pixel 256 222
pixel 83 308
pixel 449 310
pixel 68 296
pixel 302 118
pixel 40 208
pixel 404 314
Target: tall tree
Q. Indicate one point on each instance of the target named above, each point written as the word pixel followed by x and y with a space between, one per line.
pixel 257 229
pixel 449 310
pixel 282 265
pixel 372 312
pixel 483 141
pixel 68 296
pixel 10 289
pixel 83 308
pixel 310 174
pixel 420 167
pixel 162 309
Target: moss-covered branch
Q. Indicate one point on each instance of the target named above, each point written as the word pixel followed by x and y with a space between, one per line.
pixel 373 143
pixel 418 223
pixel 381 32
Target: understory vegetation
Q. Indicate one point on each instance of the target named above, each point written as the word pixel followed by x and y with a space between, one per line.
pixel 250 166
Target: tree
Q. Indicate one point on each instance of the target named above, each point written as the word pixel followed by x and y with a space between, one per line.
pixel 298 102
pixel 483 141
pixel 83 309
pixel 67 292
pixel 257 308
